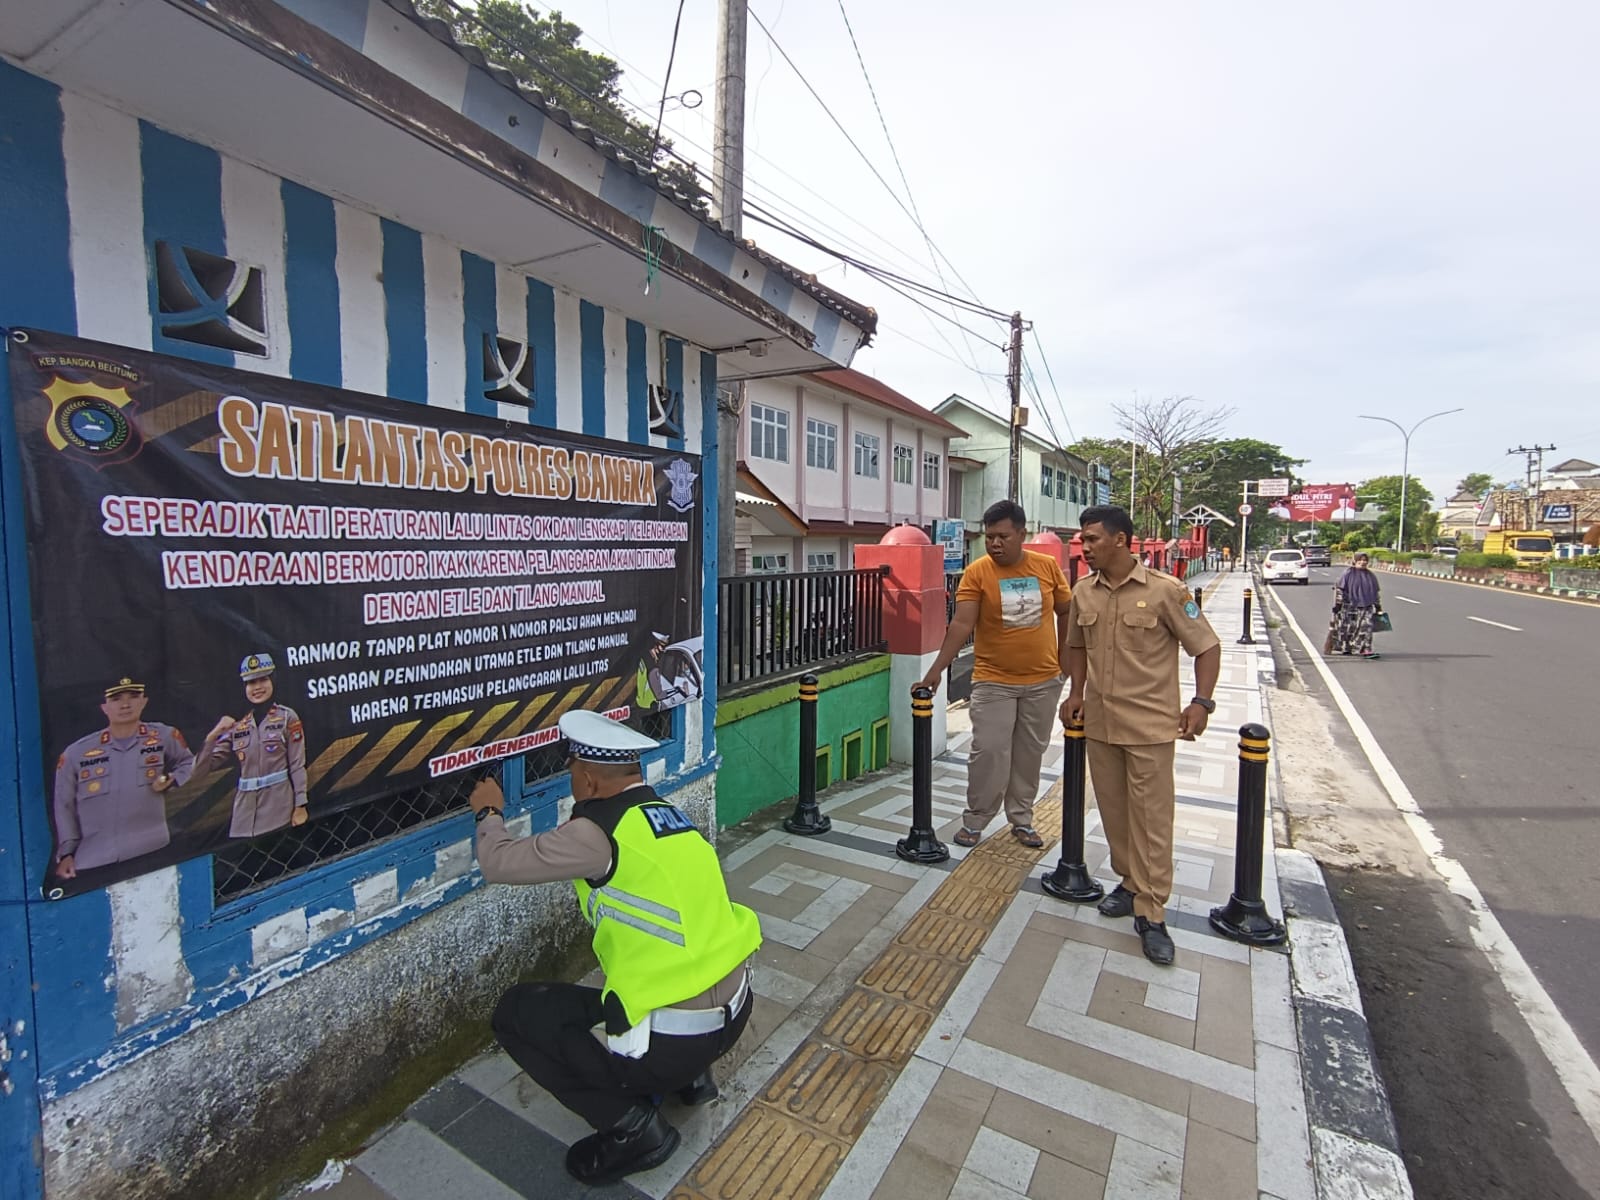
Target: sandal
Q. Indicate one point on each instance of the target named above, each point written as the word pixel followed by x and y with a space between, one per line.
pixel 968 837
pixel 1027 835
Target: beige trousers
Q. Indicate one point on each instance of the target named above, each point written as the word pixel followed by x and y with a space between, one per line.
pixel 1011 726
pixel 1136 795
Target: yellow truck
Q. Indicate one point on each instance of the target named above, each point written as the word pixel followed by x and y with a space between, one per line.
pixel 1527 546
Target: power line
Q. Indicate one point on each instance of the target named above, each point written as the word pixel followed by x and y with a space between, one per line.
pixel 1051 375
pixel 882 273
pixel 672 54
pixel 916 212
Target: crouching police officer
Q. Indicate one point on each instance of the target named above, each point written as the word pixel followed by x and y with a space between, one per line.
pixel 673 947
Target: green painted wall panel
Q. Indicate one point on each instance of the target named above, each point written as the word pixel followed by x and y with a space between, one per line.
pixel 758 735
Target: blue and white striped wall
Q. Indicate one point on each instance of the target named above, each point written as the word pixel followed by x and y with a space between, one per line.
pixel 391 39
pixel 356 301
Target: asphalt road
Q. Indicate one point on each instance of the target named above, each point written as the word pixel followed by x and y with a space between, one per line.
pixel 1486 703
pixel 1481 702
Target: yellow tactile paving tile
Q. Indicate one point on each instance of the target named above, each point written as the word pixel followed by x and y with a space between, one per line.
pixel 958 898
pixel 943 935
pixel 875 1027
pixel 919 979
pixel 829 1089
pixel 764 1155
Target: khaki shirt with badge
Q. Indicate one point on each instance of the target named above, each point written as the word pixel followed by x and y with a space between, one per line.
pixel 1132 634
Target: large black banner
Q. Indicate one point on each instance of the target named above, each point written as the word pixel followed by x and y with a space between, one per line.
pixel 257 601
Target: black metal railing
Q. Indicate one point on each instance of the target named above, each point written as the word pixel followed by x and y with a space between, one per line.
pixel 771 625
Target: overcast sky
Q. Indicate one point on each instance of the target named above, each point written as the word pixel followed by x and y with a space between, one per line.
pixel 1303 212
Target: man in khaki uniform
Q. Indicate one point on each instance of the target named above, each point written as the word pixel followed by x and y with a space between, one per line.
pixel 269 745
pixel 1126 625
pixel 110 786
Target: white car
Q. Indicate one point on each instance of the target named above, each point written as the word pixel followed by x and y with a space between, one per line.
pixel 1281 565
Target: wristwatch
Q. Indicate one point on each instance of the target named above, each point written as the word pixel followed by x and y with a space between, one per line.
pixel 1209 705
pixel 484 812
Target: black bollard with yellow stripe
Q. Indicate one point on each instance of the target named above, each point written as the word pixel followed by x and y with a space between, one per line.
pixel 1199 598
pixel 1071 880
pixel 1245 918
pixel 922 845
pixel 808 819
pixel 1246 639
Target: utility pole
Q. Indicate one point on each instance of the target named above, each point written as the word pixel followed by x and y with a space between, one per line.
pixel 1244 526
pixel 727 186
pixel 1535 478
pixel 1018 414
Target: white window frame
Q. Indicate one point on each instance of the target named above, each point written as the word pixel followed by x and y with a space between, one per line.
pixel 769 564
pixel 1047 479
pixel 930 470
pixel 822 443
pixel 868 452
pixel 907 457
pixel 769 430
pixel 1061 483
pixel 822 560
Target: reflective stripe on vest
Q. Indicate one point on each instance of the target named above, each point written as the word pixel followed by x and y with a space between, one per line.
pixel 599 911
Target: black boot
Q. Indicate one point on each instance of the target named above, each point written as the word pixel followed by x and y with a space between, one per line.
pixel 702 1089
pixel 640 1140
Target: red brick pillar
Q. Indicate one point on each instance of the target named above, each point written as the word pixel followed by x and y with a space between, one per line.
pixel 913 624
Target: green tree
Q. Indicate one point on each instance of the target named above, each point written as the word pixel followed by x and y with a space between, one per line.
pixel 541 50
pixel 1477 483
pixel 1384 491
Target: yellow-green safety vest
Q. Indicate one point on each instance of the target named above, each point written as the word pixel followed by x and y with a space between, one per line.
pixel 664 927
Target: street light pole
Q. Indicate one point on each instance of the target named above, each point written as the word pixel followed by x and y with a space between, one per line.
pixel 1405 461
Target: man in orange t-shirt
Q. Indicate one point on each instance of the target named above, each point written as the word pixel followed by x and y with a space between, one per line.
pixel 1005 603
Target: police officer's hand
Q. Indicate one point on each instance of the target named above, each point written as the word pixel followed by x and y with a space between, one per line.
pixel 300 816
pixel 1192 722
pixel 162 782
pixel 66 868
pixel 1072 710
pixel 220 728
pixel 486 793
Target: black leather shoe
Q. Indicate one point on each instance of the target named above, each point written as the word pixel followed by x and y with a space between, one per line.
pixel 1157 943
pixel 641 1140
pixel 1118 904
pixel 701 1090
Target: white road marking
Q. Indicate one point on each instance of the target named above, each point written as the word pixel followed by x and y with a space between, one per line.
pixel 1496 624
pixel 1408 599
pixel 1573 1066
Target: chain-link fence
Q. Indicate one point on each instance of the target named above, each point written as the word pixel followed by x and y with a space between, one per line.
pixel 239 870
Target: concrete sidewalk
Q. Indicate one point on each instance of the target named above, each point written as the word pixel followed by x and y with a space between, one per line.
pixel 933 1032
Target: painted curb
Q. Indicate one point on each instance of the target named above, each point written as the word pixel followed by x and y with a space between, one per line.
pixel 1355 1147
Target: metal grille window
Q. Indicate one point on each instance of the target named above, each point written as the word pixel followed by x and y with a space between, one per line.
pixel 904 458
pixel 930 472
pixel 822 445
pixel 238 870
pixel 867 447
pixel 769 433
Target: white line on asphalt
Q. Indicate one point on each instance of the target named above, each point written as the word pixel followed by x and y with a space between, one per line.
pixel 1496 624
pixel 1573 1066
pixel 1408 599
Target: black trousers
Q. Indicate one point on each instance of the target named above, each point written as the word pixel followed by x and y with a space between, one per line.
pixel 546 1028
